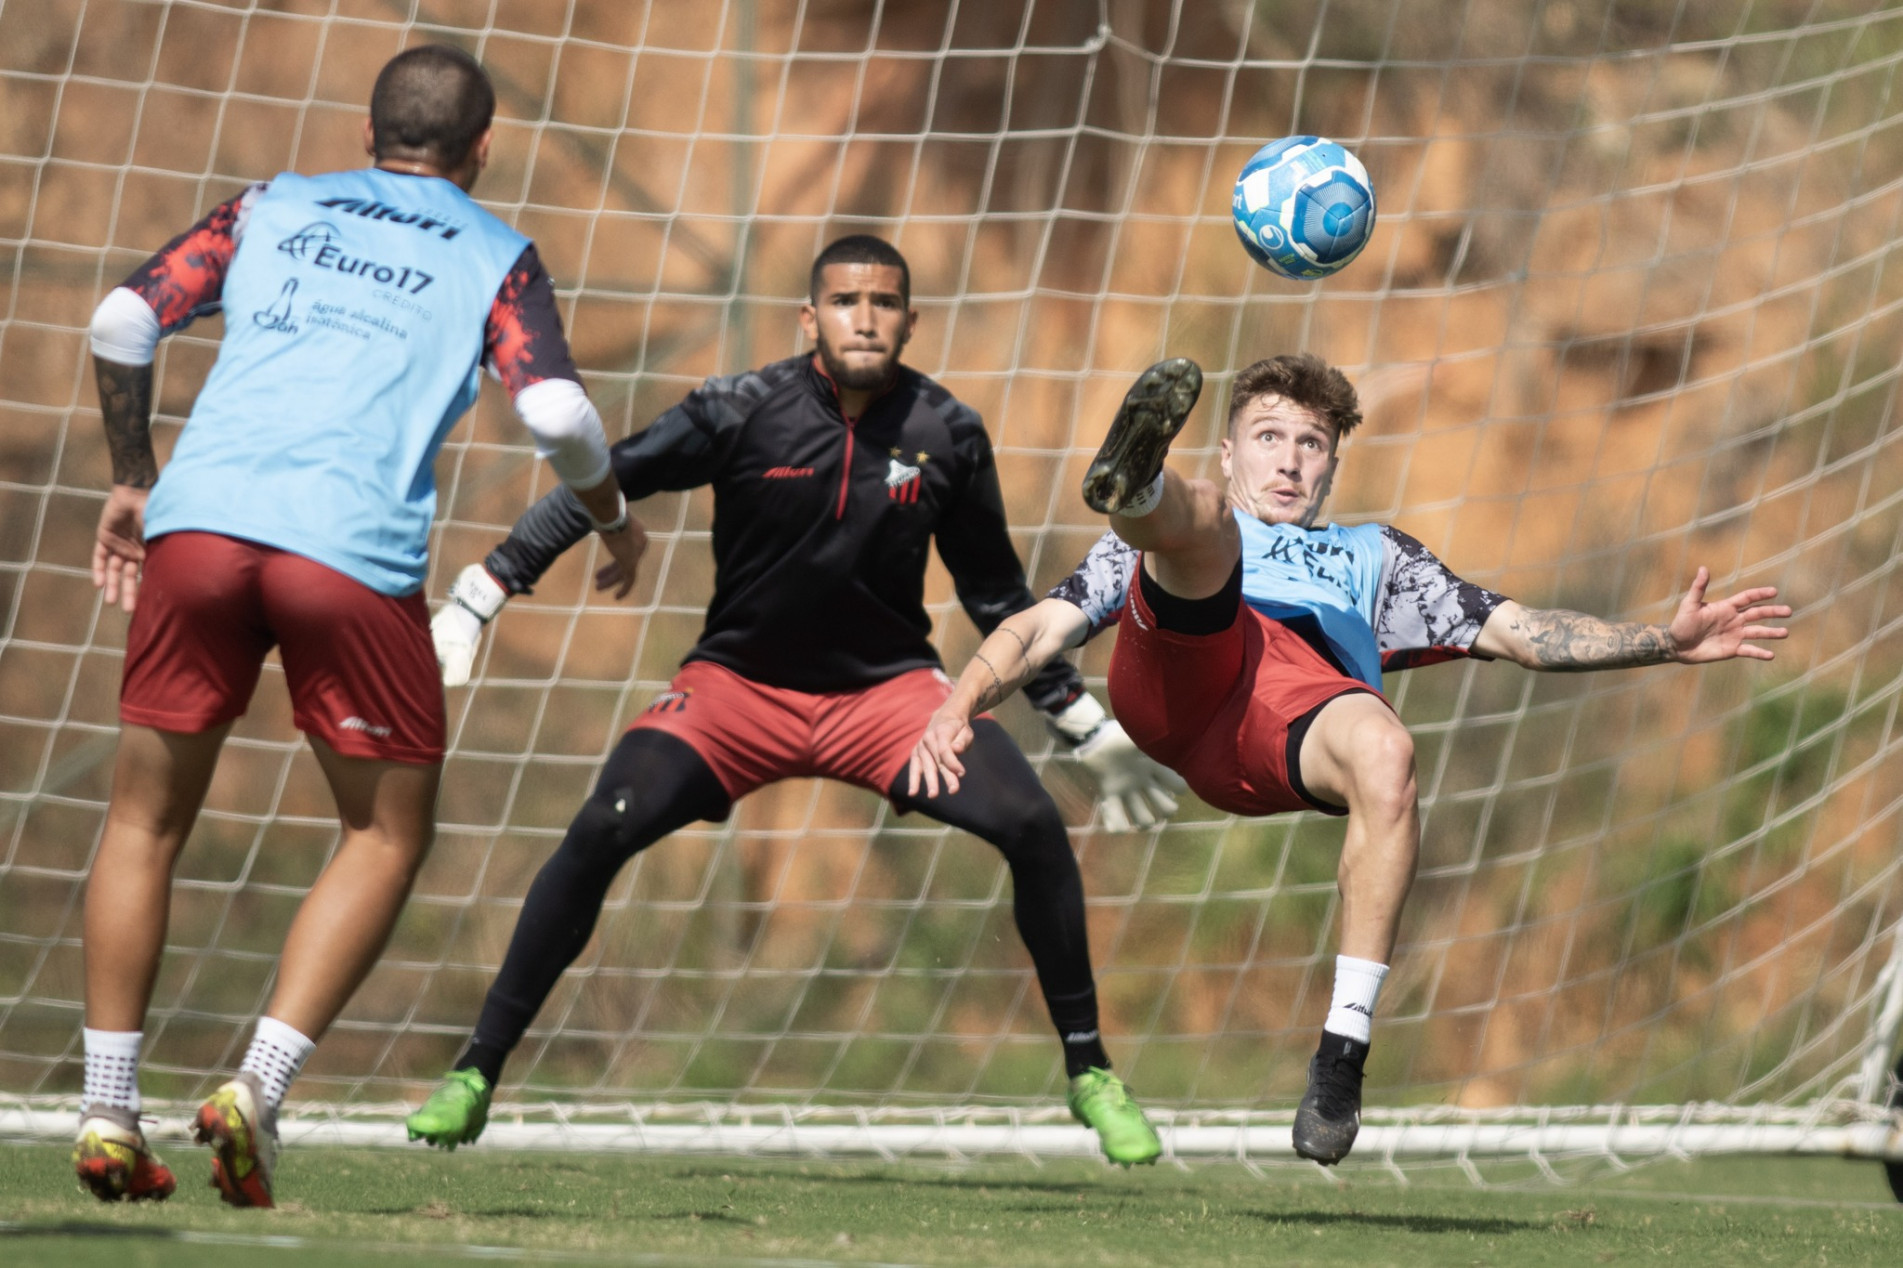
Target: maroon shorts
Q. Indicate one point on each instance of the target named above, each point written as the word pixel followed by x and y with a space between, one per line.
pixel 750 734
pixel 360 665
pixel 1221 709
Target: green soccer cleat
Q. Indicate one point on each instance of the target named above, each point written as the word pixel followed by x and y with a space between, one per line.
pixel 1100 1102
pixel 455 1113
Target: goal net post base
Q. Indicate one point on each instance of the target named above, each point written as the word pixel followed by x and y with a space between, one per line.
pixel 1615 1135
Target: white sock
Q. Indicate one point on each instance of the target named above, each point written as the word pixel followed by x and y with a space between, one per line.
pixel 276 1054
pixel 1357 986
pixel 112 1068
pixel 1145 502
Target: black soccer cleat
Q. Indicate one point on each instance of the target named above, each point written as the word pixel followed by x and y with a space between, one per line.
pixel 1330 1113
pixel 1153 411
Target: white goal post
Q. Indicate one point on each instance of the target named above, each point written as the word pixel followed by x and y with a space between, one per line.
pixel 1634 305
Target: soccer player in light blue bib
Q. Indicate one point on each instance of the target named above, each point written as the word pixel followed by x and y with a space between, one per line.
pixel 360 308
pixel 1253 643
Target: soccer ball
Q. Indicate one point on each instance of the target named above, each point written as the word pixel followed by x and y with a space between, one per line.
pixel 1304 207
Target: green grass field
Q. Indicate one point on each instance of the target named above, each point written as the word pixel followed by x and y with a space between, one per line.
pixel 366 1206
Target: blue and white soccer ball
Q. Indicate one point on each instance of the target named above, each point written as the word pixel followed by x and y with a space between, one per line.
pixel 1304 207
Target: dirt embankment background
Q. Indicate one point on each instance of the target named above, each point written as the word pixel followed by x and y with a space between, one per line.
pixel 1629 310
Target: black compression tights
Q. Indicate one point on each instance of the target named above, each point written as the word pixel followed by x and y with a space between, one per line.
pixel 1000 800
pixel 654 784
pixel 651 785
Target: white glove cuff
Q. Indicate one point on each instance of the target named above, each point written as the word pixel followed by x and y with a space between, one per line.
pixel 1077 721
pixel 478 592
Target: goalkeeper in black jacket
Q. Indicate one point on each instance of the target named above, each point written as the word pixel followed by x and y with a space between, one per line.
pixel 832 473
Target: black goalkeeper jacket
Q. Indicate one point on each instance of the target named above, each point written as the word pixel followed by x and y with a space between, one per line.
pixel 821 525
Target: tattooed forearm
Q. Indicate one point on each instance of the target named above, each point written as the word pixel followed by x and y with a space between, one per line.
pixel 125 399
pixel 989 697
pixel 999 689
pixel 1564 641
pixel 1008 667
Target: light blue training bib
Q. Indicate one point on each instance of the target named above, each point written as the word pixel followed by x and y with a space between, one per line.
pixel 1318 580
pixel 355 311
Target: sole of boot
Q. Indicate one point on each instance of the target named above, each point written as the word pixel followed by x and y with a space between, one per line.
pixel 1153 411
pixel 1327 1153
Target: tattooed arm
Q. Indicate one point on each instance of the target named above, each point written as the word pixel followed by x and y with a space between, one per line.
pixel 1021 645
pixel 1561 641
pixel 183 280
pixel 125 401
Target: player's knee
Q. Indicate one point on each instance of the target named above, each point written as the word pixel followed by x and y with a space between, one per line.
pixel 1384 767
pixel 1035 838
pixel 605 832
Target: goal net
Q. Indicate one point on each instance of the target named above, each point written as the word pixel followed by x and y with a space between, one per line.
pixel 1633 306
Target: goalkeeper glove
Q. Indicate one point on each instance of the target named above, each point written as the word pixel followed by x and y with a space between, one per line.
pixel 474 599
pixel 1131 789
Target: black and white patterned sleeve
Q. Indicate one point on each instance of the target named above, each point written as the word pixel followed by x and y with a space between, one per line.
pixel 1425 614
pixel 1101 583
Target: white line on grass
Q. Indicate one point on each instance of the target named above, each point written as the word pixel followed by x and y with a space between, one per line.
pixel 282 1241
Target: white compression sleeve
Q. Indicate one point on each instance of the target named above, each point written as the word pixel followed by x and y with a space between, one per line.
pixel 125 330
pixel 567 430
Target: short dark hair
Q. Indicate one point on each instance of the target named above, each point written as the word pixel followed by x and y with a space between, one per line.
pixel 1302 379
pixel 431 102
pixel 862 248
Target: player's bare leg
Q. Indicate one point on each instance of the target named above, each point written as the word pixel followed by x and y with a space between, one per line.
pixel 1190 541
pixel 1357 754
pixel 388 814
pixel 158 783
pixel 388 810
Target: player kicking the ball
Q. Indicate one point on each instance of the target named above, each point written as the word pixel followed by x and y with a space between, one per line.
pixel 832 475
pixel 295 512
pixel 1252 645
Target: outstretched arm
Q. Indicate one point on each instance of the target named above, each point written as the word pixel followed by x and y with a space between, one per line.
pixel 1009 658
pixel 673 453
pixel 1557 640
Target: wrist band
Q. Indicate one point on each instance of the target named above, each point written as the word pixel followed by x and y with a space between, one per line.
pixel 615 525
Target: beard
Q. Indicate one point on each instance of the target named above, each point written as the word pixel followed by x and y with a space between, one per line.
pixel 862 379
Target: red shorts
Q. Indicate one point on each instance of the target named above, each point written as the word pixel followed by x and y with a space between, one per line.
pixel 360 665
pixel 1220 709
pixel 750 734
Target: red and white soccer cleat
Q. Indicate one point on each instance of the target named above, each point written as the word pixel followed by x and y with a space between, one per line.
pixel 113 1161
pixel 244 1140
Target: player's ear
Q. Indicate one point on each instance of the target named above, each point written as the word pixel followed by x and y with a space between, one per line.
pixel 1225 449
pixel 809 321
pixel 481 152
pixel 369 137
pixel 911 324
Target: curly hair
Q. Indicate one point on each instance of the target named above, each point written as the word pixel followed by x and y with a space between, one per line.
pixel 1302 379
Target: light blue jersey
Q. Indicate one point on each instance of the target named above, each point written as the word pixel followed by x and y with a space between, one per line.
pixel 1369 597
pixel 1322 581
pixel 355 311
